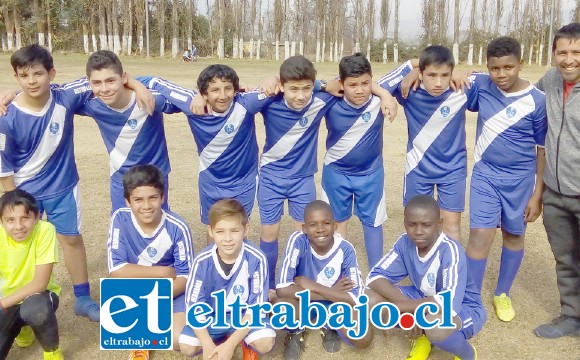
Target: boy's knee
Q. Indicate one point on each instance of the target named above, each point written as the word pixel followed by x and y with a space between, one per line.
pixel 71 241
pixel 36 309
pixel 264 345
pixel 188 350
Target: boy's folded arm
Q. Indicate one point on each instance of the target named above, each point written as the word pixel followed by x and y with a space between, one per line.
pixel 291 290
pixel 37 285
pixel 141 271
pixel 326 293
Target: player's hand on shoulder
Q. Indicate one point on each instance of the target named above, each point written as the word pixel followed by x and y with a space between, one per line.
pixel 389 107
pixel 460 80
pixel 6 98
pixel 199 105
pixel 271 86
pixel 333 87
pixel 410 81
pixel 343 284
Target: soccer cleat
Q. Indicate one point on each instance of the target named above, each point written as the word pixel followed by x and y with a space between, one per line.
pixel 330 340
pixel 86 307
pixel 503 307
pixel 420 348
pixel 139 355
pixel 294 345
pixel 54 355
pixel 248 353
pixel 25 338
pixel 560 326
pixel 474 354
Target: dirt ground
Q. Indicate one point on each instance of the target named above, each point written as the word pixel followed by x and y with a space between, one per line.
pixel 534 294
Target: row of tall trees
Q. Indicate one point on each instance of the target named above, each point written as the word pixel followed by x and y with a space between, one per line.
pixel 325 29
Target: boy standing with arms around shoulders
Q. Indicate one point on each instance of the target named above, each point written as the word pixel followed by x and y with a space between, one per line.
pixel 507 179
pixel 353 171
pixel 37 155
pixel 28 292
pixel 320 260
pixel 436 152
pixel 562 196
pixel 232 263
pixel 434 263
pixel 146 241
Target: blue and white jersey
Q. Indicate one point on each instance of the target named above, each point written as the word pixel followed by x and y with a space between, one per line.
pixel 37 146
pixel 226 143
pixel 300 259
pixel 292 136
pixel 436 133
pixel 247 279
pixel 132 136
pixel 169 245
pixel 509 126
pixel 443 268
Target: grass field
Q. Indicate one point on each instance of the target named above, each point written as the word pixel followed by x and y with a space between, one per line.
pixel 535 295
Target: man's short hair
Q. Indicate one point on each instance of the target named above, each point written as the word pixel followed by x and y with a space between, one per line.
pixel 570 32
pixel 424 202
pixel 504 46
pixel 354 66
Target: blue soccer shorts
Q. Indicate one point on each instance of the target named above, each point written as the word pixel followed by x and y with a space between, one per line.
pixel 210 193
pixel 273 191
pixel 188 336
pixel 472 317
pixel 64 212
pixel 494 202
pixel 118 194
pixel 450 194
pixel 366 192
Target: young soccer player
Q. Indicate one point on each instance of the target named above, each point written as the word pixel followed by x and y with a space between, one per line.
pixel 436 152
pixel 434 263
pixel 132 135
pixel 146 241
pixel 237 266
pixel 28 291
pixel 225 139
pixel 507 179
pixel 561 198
pixel 353 171
pixel 320 260
pixel 37 155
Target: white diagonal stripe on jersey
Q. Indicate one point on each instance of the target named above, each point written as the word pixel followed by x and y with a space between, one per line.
pixel 353 136
pixel 45 149
pixel 501 122
pixel 222 140
pixel 126 139
pixel 161 244
pixel 432 129
pixel 289 140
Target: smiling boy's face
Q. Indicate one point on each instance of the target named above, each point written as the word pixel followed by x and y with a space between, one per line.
pixel 229 234
pixel 18 222
pixel 220 94
pixel 319 227
pixel 35 80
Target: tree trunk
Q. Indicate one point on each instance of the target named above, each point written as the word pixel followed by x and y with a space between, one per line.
pixel 115 21
pixel 103 27
pixel 18 26
pixel 174 29
pixel 161 20
pixel 38 14
pixel 396 29
pixel 9 26
pixel 110 37
pixel 130 28
pixel 85 38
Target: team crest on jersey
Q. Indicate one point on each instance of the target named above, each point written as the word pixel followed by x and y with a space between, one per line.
pixel 445 110
pixel 132 123
pixel 303 121
pixel 238 289
pixel 151 251
pixel 510 112
pixel 366 116
pixel 431 279
pixel 54 128
pixel 328 272
pixel 229 128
